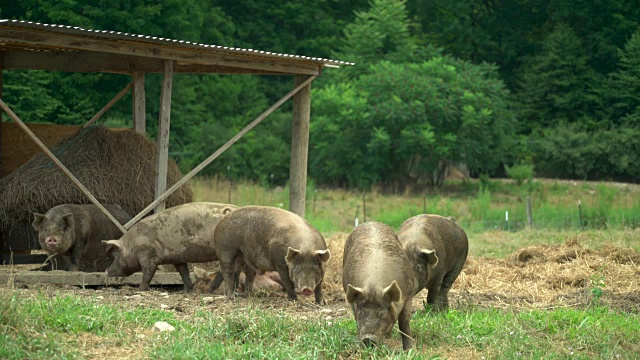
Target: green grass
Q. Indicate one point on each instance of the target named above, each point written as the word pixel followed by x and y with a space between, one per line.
pixel 39 327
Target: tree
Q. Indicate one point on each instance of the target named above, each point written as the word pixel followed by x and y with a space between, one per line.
pixel 557 85
pixel 625 85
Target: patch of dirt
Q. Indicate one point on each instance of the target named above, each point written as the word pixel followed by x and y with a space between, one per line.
pixel 542 277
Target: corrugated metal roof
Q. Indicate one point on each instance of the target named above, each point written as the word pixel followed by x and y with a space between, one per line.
pixel 146 39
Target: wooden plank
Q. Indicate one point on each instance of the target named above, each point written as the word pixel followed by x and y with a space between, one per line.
pixel 163 132
pixel 205 56
pixel 79 278
pixel 217 153
pixel 64 169
pixel 87 61
pixel 108 106
pixel 299 148
pixel 19 259
pixel 139 103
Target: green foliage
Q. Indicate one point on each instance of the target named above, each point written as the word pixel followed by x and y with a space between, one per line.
pixel 409 121
pixel 517 78
pixel 557 84
pixel 520 172
pixel 597 287
pixel 569 151
pixel 625 83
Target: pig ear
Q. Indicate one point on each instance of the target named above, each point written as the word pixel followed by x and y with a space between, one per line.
pixel 199 272
pixel 37 221
pixel 291 254
pixel 392 292
pixel 112 245
pixel 324 255
pixel 68 220
pixel 353 293
pixel 226 210
pixel 428 257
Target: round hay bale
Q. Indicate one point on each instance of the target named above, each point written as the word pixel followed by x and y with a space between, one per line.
pixel 118 167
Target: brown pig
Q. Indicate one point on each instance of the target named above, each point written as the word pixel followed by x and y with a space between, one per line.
pixel 378 282
pixel 272 239
pixel 207 282
pixel 437 248
pixel 178 236
pixel 78 230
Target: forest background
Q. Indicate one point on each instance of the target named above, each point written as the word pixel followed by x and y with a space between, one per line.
pixel 515 87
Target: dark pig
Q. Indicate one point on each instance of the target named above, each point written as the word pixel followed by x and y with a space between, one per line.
pixel 77 230
pixel 272 239
pixel 178 236
pixel 437 248
pixel 378 282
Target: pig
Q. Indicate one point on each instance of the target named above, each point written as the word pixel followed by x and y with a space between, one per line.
pixel 207 282
pixel 437 248
pixel 177 236
pixel 272 239
pixel 378 281
pixel 77 230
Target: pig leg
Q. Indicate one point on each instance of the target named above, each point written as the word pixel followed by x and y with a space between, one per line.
pixel 148 270
pixel 433 295
pixel 403 323
pixel 249 278
pixel 447 282
pixel 183 269
pixel 229 276
pixel 318 293
pixel 283 271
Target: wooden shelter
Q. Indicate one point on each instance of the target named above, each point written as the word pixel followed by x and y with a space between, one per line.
pixel 35 46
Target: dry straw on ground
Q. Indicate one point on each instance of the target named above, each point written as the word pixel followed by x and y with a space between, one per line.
pixel 549 276
pixel 118 167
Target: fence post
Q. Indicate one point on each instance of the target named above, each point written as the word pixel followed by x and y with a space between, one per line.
pixel 364 207
pixel 315 191
pixel 529 214
pixel 356 221
pixel 424 203
pixel 506 219
pixel 230 182
pixel 580 212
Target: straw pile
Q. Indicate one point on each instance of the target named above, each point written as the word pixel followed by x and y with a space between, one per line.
pixel 118 167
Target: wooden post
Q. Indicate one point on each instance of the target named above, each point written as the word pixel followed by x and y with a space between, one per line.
pixel 163 133
pixel 139 103
pixel 299 147
pixel 364 206
pixel 529 214
pixel 217 153
pixel 64 169
pixel 1 67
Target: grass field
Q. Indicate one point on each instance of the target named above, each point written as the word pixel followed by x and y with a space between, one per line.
pixel 549 292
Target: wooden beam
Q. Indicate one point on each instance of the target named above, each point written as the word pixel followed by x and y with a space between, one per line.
pixel 198 55
pixel 64 169
pixel 139 103
pixel 88 61
pixel 218 152
pixel 163 132
pixel 79 278
pixel 299 148
pixel 109 105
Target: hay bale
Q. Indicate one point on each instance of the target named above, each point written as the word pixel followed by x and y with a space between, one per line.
pixel 118 167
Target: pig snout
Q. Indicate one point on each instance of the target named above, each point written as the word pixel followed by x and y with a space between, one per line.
pixel 306 291
pixel 52 241
pixel 369 340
